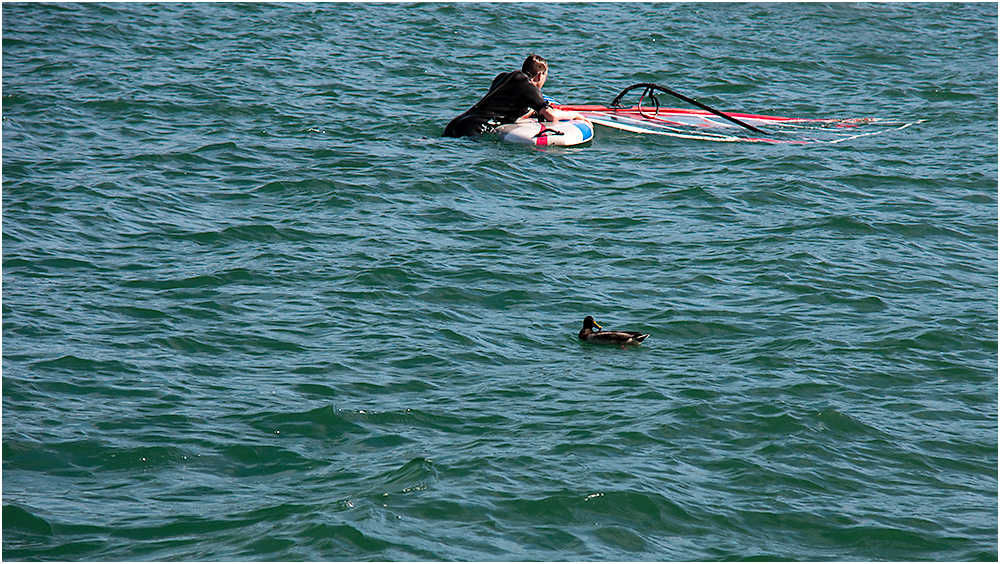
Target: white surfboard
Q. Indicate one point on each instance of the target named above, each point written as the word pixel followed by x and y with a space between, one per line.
pixel 546 133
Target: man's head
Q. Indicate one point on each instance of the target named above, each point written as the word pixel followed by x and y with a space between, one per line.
pixel 536 68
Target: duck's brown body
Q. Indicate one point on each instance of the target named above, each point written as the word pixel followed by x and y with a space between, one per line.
pixel 609 337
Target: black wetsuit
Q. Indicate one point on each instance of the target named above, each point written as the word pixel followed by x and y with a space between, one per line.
pixel 511 96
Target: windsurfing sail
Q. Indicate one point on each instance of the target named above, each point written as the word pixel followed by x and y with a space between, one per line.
pixel 709 124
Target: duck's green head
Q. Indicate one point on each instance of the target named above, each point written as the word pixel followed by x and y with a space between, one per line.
pixel 589 322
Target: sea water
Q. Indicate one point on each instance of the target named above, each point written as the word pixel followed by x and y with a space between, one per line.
pixel 256 308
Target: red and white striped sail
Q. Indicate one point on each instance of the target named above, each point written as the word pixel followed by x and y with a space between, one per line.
pixel 703 125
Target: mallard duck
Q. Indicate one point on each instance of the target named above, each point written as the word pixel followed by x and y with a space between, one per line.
pixel 610 337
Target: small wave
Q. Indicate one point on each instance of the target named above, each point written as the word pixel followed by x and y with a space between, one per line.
pixel 320 423
pixel 17 519
pixel 700 329
pixel 80 364
pixel 223 278
pixel 417 474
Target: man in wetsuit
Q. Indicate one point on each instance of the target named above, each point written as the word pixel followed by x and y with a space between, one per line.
pixel 512 95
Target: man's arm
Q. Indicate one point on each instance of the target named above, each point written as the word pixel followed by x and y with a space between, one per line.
pixel 551 114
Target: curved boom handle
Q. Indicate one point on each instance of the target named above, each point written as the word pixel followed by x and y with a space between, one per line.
pixel 649 86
